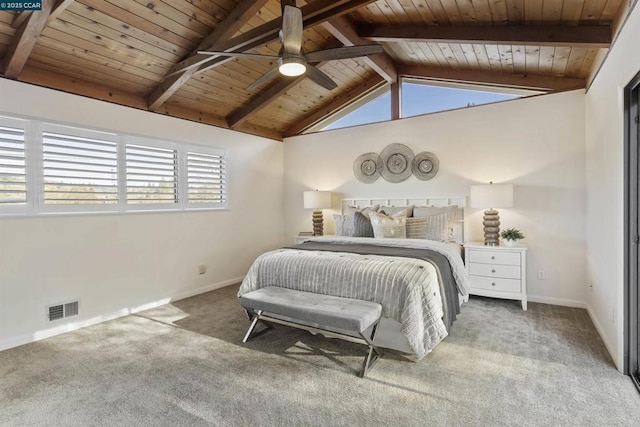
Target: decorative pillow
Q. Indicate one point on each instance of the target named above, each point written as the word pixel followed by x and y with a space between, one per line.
pixel 389 226
pixel 392 210
pixel 416 228
pixel 362 225
pixel 351 210
pixel 434 227
pixel 429 211
pixel 344 225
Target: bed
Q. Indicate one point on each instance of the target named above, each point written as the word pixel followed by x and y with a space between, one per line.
pixel 419 282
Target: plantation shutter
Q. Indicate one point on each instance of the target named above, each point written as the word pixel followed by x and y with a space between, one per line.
pixel 152 174
pixel 79 170
pixel 206 178
pixel 13 184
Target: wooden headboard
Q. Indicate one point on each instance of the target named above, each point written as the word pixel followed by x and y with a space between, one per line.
pixel 460 201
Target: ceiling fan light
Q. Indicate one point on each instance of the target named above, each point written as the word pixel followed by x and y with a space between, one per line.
pixel 292 67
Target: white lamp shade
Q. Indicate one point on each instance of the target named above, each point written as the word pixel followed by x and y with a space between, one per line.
pixel 317 199
pixel 492 196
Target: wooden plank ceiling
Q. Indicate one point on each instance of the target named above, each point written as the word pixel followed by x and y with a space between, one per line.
pixel 141 53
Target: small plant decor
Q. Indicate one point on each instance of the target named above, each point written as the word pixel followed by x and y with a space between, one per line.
pixel 511 235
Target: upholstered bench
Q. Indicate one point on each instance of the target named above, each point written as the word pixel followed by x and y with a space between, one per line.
pixel 344 318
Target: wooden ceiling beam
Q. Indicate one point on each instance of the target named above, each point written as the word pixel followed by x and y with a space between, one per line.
pixel 345 31
pixel 20 18
pixel 334 106
pixel 519 81
pixel 104 93
pixel 25 39
pixel 262 100
pixel 595 36
pixel 214 41
pixel 60 7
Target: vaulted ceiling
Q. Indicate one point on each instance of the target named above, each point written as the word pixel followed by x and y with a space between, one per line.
pixel 143 53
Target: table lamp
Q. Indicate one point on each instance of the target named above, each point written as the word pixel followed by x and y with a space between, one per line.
pixel 491 196
pixel 317 200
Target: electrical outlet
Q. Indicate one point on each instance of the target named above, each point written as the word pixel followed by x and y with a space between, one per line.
pixel 202 269
pixel 591 285
pixel 541 275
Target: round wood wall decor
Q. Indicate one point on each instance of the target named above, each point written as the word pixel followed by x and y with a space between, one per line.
pixel 395 162
pixel 365 168
pixel 425 165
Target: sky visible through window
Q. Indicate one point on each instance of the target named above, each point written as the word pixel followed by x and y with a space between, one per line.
pixel 418 99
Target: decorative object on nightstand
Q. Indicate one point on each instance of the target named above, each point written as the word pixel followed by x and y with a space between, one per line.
pixel 510 236
pixel 317 200
pixel 497 271
pixel 491 196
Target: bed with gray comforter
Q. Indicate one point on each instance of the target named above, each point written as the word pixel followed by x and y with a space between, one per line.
pixel 417 282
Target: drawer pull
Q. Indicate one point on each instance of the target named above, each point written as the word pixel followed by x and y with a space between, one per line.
pixel 493 257
pixel 493 283
pixel 493 271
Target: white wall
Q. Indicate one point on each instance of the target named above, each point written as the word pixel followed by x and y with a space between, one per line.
pixel 117 262
pixel 535 143
pixel 605 182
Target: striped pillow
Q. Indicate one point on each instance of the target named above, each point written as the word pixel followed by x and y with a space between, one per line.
pixel 344 225
pixel 434 227
pixel 362 226
pixel 389 226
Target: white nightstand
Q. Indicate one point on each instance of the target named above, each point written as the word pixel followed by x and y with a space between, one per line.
pixel 299 239
pixel 497 271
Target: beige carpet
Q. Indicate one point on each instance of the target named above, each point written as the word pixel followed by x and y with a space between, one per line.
pixel 184 364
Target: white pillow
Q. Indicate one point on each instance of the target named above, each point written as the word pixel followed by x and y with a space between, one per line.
pixel 434 227
pixel 429 211
pixel 389 226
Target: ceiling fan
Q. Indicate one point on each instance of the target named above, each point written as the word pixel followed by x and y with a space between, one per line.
pixel 293 61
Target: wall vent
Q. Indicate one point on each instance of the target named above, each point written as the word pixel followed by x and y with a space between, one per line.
pixel 62 311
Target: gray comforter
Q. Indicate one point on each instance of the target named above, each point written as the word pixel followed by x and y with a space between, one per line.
pixel 408 289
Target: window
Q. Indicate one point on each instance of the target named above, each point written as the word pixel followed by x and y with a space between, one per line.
pixel 49 168
pixel 152 174
pixel 13 172
pixel 416 97
pixel 78 170
pixel 426 97
pixel 205 178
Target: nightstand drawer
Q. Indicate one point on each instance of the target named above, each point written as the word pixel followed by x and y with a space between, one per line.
pixel 494 257
pixel 489 270
pixel 495 284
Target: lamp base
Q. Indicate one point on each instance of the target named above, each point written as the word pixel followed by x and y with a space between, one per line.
pixel 491 223
pixel 318 226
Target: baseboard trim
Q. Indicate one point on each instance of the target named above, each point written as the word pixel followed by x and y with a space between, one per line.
pixel 603 336
pixel 72 326
pixel 557 301
pixel 208 288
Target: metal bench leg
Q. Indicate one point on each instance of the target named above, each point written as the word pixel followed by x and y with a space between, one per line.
pixel 372 355
pixel 256 317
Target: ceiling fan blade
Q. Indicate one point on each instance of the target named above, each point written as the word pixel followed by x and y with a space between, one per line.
pixel 292 29
pixel 237 54
pixel 320 78
pixel 344 52
pixel 263 79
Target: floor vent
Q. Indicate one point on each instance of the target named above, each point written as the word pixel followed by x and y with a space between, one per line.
pixel 62 311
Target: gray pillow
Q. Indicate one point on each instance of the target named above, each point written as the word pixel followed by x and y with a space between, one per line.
pixel 344 225
pixel 351 210
pixel 362 225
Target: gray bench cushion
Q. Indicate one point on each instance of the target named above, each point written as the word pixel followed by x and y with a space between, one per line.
pixel 325 311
